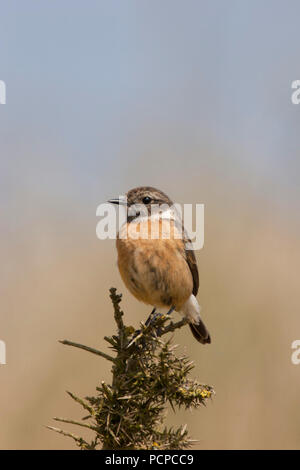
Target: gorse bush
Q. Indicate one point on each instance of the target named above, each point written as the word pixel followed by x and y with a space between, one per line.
pixel 147 375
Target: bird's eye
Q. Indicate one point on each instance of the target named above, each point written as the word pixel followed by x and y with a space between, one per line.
pixel 146 200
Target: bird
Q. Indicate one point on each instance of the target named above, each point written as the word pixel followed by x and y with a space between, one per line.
pixel 153 260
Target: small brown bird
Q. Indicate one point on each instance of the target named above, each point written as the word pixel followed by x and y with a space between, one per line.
pixel 153 258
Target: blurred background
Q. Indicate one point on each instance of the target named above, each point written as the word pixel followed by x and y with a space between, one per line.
pixel 193 98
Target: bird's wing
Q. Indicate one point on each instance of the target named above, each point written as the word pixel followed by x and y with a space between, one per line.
pixel 191 261
pixel 190 257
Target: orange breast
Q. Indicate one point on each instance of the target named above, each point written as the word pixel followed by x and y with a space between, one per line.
pixel 155 270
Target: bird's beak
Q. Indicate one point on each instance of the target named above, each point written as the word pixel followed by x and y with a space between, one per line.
pixel 121 201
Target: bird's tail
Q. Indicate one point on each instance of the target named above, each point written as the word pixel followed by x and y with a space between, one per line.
pixel 191 310
pixel 200 332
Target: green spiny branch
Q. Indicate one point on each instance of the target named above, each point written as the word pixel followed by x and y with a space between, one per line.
pixel 146 376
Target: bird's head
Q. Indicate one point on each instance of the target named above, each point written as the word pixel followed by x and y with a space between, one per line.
pixel 142 199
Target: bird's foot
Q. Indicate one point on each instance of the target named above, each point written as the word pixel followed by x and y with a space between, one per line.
pixel 171 310
pixel 156 317
pixel 151 321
